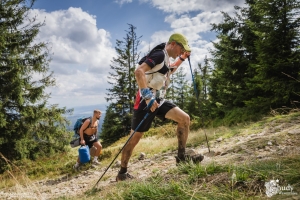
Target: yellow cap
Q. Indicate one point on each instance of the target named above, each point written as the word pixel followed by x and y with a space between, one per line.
pixel 177 37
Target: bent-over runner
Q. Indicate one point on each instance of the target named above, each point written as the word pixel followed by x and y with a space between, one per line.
pixel 152 76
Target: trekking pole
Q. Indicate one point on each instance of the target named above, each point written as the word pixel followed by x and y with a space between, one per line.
pixel 148 107
pixel 196 93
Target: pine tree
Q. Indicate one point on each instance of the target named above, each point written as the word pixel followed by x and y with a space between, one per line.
pixel 29 127
pixel 121 95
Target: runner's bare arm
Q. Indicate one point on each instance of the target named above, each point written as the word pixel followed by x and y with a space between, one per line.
pixel 83 127
pixel 141 81
pixel 140 75
pixel 174 66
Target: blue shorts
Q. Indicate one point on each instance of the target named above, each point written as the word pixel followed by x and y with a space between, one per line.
pixel 139 113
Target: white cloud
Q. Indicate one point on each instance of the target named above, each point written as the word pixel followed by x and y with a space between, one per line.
pixel 180 7
pixel 82 88
pixel 77 43
pixel 121 2
pixel 193 18
pixel 81 56
pixel 200 22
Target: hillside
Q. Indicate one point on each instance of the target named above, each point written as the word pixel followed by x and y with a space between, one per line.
pixel 241 161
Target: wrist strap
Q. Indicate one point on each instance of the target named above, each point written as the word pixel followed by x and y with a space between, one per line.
pixel 181 58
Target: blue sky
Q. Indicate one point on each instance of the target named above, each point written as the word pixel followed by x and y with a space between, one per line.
pixel 113 16
pixel 82 36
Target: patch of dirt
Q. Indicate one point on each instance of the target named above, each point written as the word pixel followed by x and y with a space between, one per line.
pixel 273 141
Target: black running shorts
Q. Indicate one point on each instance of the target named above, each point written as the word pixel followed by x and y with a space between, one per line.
pixel 140 112
pixel 90 139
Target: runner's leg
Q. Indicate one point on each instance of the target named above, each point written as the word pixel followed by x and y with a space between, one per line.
pixel 127 151
pixel 183 120
pixel 99 148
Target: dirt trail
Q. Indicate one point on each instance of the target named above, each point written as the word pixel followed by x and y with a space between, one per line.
pixel 276 139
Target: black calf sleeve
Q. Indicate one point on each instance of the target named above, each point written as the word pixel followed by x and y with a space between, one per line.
pixel 123 170
pixel 181 152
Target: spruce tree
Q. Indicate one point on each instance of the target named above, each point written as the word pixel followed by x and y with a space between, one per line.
pixel 122 94
pixel 111 125
pixel 232 61
pixel 278 53
pixel 178 88
pixel 253 59
pixel 29 127
pixel 195 97
pixel 205 75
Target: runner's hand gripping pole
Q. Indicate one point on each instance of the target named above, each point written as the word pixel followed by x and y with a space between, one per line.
pixel 148 113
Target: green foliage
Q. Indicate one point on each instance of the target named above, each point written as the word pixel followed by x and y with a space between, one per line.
pixel 196 123
pixel 278 55
pixel 256 61
pixel 213 181
pixel 167 130
pixel 29 127
pixel 196 172
pixel 178 89
pixel 155 189
pixel 239 115
pixel 105 154
pixel 197 103
pixel 283 169
pixel 112 128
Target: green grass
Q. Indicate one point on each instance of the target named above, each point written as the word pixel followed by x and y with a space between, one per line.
pixel 186 181
pixel 190 181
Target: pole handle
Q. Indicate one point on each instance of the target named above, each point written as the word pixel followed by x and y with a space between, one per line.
pixel 151 103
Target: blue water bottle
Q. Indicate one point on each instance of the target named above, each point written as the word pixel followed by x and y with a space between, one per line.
pixel 84 154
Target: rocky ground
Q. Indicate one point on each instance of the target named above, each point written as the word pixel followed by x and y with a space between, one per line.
pixel 276 139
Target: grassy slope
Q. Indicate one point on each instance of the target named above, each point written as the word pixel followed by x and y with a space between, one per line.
pixel 213 180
